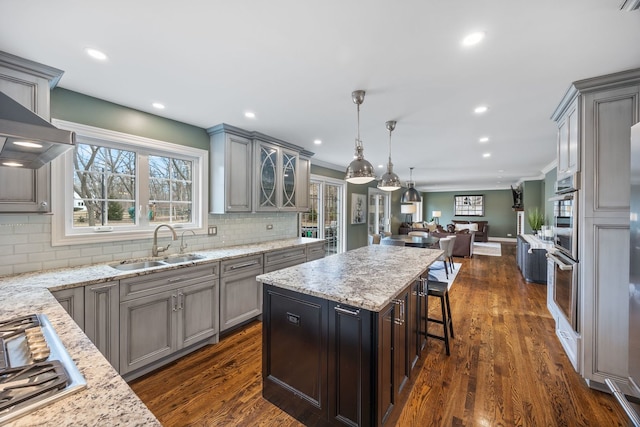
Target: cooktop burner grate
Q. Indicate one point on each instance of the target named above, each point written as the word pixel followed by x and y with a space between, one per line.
pixel 19 385
pixel 16 326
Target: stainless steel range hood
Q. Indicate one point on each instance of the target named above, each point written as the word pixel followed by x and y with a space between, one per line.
pixel 26 139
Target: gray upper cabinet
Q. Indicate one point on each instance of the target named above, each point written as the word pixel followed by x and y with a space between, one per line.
pixel 28 83
pixel 231 173
pixel 253 172
pixel 568 147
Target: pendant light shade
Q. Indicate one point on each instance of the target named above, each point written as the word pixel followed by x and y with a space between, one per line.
pixel 390 181
pixel 359 171
pixel 411 195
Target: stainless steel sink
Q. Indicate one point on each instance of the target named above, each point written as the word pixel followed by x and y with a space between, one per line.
pixel 138 265
pixel 182 258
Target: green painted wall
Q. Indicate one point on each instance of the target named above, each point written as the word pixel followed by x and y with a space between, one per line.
pixel 78 108
pixel 497 210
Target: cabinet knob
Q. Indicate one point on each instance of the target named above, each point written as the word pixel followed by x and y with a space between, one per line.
pixel 44 204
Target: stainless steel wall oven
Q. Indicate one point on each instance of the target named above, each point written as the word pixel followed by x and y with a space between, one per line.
pixel 565 256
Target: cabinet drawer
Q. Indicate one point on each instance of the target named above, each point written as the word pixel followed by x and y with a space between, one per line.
pixel 241 265
pixel 288 256
pixel 315 251
pixel 136 287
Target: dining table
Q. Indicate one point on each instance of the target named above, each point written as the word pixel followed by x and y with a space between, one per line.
pixel 416 241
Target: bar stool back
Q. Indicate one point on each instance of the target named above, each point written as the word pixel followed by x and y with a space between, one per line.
pixel 440 290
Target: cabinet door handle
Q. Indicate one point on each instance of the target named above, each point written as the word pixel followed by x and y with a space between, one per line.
pixel 110 285
pixel 423 287
pixel 180 300
pixel 173 303
pixel 400 304
pixel 346 311
pixel 244 264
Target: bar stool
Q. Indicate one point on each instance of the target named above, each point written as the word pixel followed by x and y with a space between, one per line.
pixel 440 290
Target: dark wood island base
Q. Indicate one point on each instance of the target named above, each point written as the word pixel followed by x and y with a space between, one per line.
pixel 327 363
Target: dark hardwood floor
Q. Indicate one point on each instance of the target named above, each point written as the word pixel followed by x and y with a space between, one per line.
pixel 506 368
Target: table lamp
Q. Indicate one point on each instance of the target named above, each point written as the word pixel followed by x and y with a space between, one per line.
pixel 408 210
pixel 436 215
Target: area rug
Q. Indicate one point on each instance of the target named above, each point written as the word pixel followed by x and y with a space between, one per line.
pixel 489 248
pixel 440 274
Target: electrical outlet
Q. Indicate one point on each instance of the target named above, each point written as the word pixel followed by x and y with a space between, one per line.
pixel 509 234
pixel 213 230
pixel 269 226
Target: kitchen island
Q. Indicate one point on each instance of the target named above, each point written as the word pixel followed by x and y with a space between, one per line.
pixel 342 334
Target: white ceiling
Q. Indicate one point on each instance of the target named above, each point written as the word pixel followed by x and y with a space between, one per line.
pixel 296 62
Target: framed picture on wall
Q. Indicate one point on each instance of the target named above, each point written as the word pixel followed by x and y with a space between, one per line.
pixel 358 208
pixel 468 205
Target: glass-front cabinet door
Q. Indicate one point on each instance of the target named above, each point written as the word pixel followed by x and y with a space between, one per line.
pixel 267 177
pixel 289 171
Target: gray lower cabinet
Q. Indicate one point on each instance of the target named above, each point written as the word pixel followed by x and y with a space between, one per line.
pixel 532 265
pixel 72 300
pixel 240 292
pixel 283 258
pixel 315 251
pixel 165 312
pixel 101 318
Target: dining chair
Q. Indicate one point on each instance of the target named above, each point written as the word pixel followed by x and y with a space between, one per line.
pixel 392 242
pixel 386 233
pixel 418 233
pixel 444 246
pixel 452 242
pixel 374 239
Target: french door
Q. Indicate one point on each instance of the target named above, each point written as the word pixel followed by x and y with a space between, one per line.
pixel 326 216
pixel 379 217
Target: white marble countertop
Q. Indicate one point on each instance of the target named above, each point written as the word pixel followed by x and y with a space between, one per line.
pixel 107 400
pixel 368 277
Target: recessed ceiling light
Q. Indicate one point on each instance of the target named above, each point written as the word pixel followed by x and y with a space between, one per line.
pixel 380 166
pixel 481 109
pixel 484 139
pixel 158 105
pixel 28 144
pixel 500 170
pixel 473 38
pixel 317 142
pixel 250 115
pixel 96 54
pixel 485 155
pixel 12 164
pixel 499 176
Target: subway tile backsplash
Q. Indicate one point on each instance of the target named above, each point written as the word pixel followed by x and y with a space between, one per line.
pixel 25 241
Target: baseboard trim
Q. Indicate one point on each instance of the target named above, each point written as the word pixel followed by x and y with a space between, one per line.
pixel 503 239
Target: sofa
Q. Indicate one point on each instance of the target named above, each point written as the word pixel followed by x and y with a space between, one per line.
pixel 463 246
pixel 429 227
pixel 481 228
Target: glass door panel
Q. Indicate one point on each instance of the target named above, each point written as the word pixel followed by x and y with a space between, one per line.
pixel 268 173
pixel 379 216
pixel 332 218
pixel 310 220
pixel 289 169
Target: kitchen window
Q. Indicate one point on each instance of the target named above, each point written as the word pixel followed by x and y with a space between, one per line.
pixel 115 186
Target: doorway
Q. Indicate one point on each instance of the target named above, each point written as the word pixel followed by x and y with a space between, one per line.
pixel 326 216
pixel 379 217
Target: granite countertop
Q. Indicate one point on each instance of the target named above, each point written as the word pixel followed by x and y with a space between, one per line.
pixel 368 277
pixel 537 243
pixel 107 400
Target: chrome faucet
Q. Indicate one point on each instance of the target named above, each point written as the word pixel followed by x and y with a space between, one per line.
pixel 183 245
pixel 155 250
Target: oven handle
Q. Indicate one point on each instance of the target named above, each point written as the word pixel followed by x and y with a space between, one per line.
pixel 561 265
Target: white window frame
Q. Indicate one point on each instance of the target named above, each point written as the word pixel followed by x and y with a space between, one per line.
pixel 62 197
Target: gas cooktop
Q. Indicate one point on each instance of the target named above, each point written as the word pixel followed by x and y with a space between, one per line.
pixel 35 368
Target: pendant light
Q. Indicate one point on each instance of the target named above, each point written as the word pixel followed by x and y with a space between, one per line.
pixel 359 170
pixel 411 195
pixel 390 181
